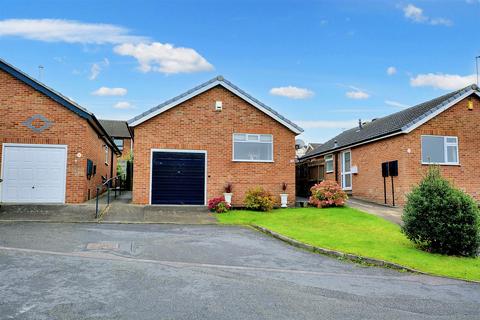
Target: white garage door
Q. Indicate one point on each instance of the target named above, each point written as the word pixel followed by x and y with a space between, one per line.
pixel 33 173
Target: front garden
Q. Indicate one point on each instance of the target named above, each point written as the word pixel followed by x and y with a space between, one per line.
pixel 353 231
pixel 440 234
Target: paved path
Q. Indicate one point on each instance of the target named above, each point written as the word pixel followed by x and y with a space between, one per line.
pixel 92 271
pixel 393 214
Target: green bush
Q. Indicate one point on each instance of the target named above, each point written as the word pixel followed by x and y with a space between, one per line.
pixel 441 218
pixel 259 200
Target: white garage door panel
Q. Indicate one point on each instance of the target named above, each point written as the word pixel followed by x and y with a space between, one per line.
pixel 34 173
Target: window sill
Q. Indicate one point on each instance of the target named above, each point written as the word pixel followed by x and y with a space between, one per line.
pixel 329 171
pixel 441 164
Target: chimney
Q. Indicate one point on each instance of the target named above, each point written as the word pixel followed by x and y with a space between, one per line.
pixel 360 123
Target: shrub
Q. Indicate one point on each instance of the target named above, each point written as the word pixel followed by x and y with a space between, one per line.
pixel 440 218
pixel 218 205
pixel 228 188
pixel 327 194
pixel 259 200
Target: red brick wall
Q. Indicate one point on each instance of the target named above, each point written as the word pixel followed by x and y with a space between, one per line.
pixel 195 125
pixel 127 149
pixel 456 121
pixel 18 102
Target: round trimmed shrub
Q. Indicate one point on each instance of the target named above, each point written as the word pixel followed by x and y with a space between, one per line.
pixel 327 194
pixel 440 218
pixel 259 200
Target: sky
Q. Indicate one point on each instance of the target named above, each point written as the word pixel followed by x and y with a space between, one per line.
pixel 321 64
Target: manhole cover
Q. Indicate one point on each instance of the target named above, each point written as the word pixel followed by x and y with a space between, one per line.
pixel 115 247
pixel 107 245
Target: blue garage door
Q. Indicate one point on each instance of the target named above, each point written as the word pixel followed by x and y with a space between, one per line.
pixel 178 178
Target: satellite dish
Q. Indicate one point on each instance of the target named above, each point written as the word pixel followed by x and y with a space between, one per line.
pixel 299 144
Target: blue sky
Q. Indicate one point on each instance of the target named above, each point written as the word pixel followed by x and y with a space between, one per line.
pixel 322 64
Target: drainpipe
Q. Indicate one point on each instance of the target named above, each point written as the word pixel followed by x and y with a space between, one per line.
pixel 335 155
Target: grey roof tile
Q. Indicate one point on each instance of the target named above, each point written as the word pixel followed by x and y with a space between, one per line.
pixel 390 124
pixel 205 84
pixel 116 128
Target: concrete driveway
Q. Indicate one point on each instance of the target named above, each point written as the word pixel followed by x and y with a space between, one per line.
pixel 92 271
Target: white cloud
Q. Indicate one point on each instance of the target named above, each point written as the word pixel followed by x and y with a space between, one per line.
pixel 391 71
pixel 396 104
pixel 59 30
pixel 164 58
pixel 442 81
pixel 123 105
pixel 326 124
pixel 97 67
pixel 292 92
pixel 416 14
pixel 105 91
pixel 357 94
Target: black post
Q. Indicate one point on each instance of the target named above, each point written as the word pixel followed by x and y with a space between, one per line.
pixel 385 189
pixel 96 205
pixel 108 195
pixel 393 193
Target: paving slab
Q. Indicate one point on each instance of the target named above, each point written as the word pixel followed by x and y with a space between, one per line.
pixel 119 212
pixel 49 213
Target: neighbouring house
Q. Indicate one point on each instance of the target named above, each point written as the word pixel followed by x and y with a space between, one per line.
pixel 119 131
pixel 52 149
pixel 443 131
pixel 301 148
pixel 189 147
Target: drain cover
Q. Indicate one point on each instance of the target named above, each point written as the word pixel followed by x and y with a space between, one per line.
pixel 106 245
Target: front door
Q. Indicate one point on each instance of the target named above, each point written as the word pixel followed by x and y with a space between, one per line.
pixel 346 170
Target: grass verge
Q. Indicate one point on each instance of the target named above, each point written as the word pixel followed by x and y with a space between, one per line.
pixel 352 231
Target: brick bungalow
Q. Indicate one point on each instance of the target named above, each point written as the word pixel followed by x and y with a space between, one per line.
pixel 51 149
pixel 189 147
pixel 443 131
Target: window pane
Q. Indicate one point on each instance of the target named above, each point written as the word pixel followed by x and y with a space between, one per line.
pixel 253 151
pixel 347 181
pixel 119 143
pixel 239 137
pixel 329 165
pixel 346 157
pixel 433 149
pixel 252 137
pixel 265 138
pixel 452 154
pixel 452 140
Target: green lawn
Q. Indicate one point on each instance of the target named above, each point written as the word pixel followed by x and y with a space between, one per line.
pixel 353 231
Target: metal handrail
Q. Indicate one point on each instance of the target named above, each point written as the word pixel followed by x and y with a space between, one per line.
pixel 107 183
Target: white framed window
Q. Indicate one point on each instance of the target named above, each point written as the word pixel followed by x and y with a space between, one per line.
pixel 106 154
pixel 328 163
pixel 252 147
pixel 439 150
pixel 347 170
pixel 119 143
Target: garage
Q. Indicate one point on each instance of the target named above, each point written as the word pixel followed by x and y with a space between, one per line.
pixel 178 177
pixel 33 173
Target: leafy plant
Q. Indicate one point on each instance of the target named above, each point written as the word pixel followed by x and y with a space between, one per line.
pixel 259 200
pixel 218 205
pixel 228 188
pixel 284 187
pixel 327 194
pixel 441 218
